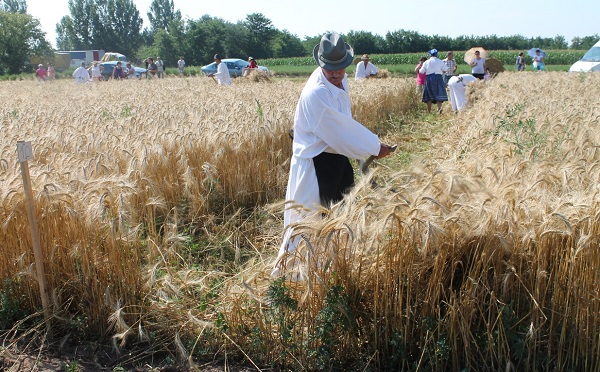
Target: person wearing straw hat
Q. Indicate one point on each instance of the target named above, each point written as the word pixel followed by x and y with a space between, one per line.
pixel 365 69
pixel 251 65
pixel 434 90
pixel 325 137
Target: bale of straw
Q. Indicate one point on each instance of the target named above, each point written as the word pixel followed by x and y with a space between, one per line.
pixel 494 65
pixel 383 74
pixel 258 76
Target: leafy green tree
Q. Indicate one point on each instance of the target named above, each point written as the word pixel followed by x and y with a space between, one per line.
pixel 162 14
pixel 365 42
pixel 77 31
pixel 558 42
pixel 112 25
pixel 585 42
pixel 206 37
pixel 21 37
pixel 14 6
pixel 309 43
pixel 406 41
pixel 261 34
pixel 166 46
pixel 287 45
pixel 120 26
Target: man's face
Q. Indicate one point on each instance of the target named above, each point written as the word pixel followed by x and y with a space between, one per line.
pixel 335 77
pixel 450 56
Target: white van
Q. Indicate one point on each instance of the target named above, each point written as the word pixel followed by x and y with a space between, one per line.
pixel 589 62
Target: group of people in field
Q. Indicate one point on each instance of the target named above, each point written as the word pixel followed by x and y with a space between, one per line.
pixel 325 135
pixel 94 72
pixel 45 74
pixel 222 76
pixel 437 79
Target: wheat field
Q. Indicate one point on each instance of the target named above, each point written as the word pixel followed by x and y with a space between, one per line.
pixel 159 207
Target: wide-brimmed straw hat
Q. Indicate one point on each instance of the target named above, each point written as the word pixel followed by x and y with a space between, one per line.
pixel 332 53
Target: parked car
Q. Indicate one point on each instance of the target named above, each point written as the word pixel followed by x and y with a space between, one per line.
pixel 589 62
pixel 110 65
pixel 235 65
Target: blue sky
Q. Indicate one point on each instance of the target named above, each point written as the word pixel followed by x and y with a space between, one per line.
pixel 530 18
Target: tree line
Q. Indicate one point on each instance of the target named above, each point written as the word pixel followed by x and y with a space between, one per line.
pixel 116 26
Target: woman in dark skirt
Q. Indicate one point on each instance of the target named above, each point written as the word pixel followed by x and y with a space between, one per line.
pixel 435 90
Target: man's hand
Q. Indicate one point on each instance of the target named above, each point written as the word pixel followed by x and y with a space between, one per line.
pixel 385 150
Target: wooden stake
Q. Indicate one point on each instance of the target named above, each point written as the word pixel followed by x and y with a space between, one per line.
pixel 25 153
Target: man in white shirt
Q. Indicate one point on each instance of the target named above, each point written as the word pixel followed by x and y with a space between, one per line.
pixel 81 74
pixel 365 69
pixel 180 65
pixel 325 136
pixel 160 66
pixel 222 75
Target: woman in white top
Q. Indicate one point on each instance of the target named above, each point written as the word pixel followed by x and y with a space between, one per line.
pixel 478 66
pixel 96 71
pixel 538 61
pixel 435 89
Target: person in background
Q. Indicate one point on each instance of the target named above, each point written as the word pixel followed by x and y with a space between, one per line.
pixel 152 68
pixel 434 90
pixel 96 71
pixel 365 69
pixel 251 64
pixel 488 75
pixel 129 71
pixel 325 137
pixel 222 75
pixel 51 73
pixel 81 74
pixel 450 67
pixel 180 65
pixel 520 62
pixel 420 76
pixel 458 91
pixel 538 61
pixel 118 72
pixel 478 65
pixel 41 73
pixel 160 68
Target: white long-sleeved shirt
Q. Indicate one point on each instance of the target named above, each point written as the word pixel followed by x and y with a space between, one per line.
pixel 222 74
pixel 323 123
pixel 363 71
pixel 433 65
pixel 81 75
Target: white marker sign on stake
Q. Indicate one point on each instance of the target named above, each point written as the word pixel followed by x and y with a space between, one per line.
pixel 25 153
pixel 24 150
